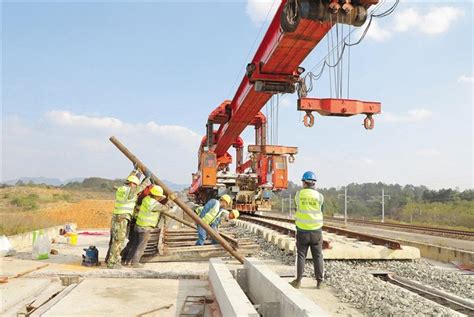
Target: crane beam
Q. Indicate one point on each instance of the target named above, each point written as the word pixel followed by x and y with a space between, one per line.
pixel 279 53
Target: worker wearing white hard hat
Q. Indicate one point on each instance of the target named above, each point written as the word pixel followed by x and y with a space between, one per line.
pixel 125 200
pixel 212 213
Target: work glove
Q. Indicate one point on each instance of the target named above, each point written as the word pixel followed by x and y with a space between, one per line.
pixel 136 171
pixel 147 173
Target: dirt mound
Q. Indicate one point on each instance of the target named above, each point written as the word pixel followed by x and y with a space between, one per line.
pixel 87 213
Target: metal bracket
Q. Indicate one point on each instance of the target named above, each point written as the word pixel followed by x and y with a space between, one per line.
pixel 269 309
pixel 241 277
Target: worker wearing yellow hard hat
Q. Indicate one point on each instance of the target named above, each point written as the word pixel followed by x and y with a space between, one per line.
pixel 212 213
pixel 234 214
pixel 125 200
pixel 133 180
pixel 148 218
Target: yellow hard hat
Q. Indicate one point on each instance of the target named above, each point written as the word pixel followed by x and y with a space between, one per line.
pixel 235 212
pixel 157 191
pixel 227 199
pixel 133 179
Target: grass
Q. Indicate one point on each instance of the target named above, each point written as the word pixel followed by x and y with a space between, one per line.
pixel 28 202
pixel 24 209
pixel 23 222
pixel 27 199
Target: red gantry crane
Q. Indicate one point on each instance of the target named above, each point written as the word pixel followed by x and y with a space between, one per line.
pixel 296 29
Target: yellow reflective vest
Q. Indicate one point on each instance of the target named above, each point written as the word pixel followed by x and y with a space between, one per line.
pixel 124 204
pixel 213 213
pixel 149 214
pixel 198 210
pixel 309 215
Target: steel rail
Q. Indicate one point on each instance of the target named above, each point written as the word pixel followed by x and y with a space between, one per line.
pixel 408 227
pixel 442 298
pixel 279 228
pixel 391 244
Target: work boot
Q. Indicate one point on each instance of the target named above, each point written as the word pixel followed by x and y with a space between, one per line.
pixel 320 285
pixel 116 266
pixel 295 283
pixel 137 265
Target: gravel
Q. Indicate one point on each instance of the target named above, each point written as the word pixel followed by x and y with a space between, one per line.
pixel 424 272
pixel 353 283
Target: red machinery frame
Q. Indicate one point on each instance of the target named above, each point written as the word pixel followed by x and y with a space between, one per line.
pixel 296 29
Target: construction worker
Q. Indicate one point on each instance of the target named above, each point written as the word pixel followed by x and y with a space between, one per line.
pixel 132 236
pixel 125 200
pixel 147 219
pixel 212 213
pixel 309 223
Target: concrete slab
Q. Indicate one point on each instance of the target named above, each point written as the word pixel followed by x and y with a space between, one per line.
pixel 232 300
pixel 343 248
pixel 19 289
pixel 267 287
pixel 11 267
pixel 128 297
pixel 69 259
pixel 71 254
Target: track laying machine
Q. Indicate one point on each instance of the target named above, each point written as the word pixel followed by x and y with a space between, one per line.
pixel 297 27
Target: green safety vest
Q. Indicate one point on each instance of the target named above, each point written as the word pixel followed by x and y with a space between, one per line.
pixel 148 216
pixel 309 215
pixel 213 214
pixel 123 204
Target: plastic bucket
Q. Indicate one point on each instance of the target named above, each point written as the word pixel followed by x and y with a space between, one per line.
pixel 72 238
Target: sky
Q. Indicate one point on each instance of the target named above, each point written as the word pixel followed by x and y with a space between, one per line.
pixel 76 73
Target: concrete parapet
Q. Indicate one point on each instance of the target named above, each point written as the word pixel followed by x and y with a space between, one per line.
pixel 265 286
pixel 442 254
pixel 26 239
pixel 231 298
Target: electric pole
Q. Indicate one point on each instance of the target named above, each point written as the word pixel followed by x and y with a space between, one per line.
pixel 346 199
pixel 383 204
pixel 290 205
pixel 382 201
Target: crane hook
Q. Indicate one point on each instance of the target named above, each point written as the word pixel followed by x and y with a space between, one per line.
pixel 308 119
pixel 369 122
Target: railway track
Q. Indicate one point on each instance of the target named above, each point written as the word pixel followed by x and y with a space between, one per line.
pixel 449 300
pixel 406 227
pixel 279 227
pixel 280 224
pixel 180 245
pixel 442 298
